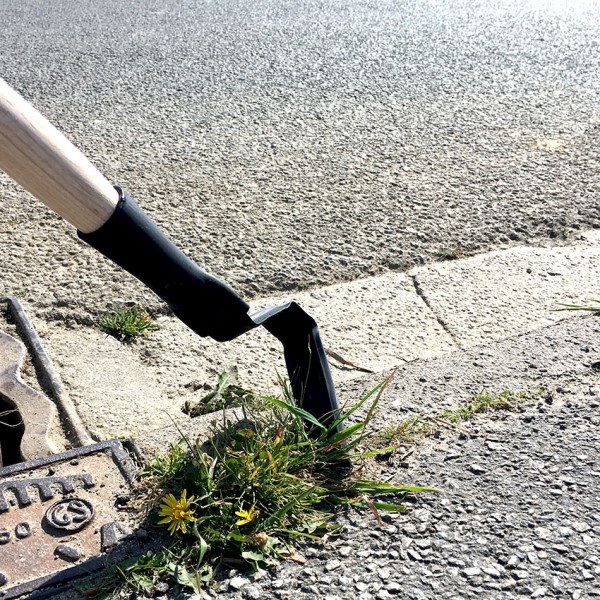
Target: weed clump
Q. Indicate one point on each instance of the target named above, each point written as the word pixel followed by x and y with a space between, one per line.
pixel 241 499
pixel 225 394
pixel 416 428
pixel 127 323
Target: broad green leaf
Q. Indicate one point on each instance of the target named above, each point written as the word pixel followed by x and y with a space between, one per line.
pixel 250 555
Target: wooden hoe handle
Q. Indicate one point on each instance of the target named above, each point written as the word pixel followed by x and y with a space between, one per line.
pixel 36 155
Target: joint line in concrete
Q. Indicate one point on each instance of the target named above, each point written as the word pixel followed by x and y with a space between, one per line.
pixel 421 294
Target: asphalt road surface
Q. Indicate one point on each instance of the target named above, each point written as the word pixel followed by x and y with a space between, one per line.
pixel 287 144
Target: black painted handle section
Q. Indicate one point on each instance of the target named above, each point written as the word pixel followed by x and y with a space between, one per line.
pixel 132 240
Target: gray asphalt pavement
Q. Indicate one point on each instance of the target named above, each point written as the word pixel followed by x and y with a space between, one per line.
pixel 289 144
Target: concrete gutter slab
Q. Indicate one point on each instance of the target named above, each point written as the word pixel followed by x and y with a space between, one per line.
pixel 137 390
pixel 376 322
pixel 115 395
pixel 505 293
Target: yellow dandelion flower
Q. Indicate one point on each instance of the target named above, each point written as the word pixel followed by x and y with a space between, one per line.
pixel 177 513
pixel 247 516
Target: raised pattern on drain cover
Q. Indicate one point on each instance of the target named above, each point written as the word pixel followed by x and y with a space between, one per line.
pixel 72 514
pixel 45 487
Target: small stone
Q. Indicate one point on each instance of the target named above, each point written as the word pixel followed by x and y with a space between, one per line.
pixel 414 554
pixel 162 587
pixel 141 534
pixel 472 571
pixel 491 571
pixel 361 586
pixel 587 575
pixel 543 533
pixel 345 551
pixel 576 594
pixel 580 526
pixel 539 592
pixel 384 573
pixel 253 592
pixel 477 469
pixel 66 552
pixel 3 579
pixel 237 583
pixel 557 583
pixel 560 548
pixel 520 574
pixel 333 564
pixel 513 561
pixel 455 562
pixel 383 595
pixel 422 514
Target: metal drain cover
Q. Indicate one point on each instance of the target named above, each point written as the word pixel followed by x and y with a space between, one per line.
pixel 59 515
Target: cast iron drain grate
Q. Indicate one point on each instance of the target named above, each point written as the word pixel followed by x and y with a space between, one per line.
pixel 59 515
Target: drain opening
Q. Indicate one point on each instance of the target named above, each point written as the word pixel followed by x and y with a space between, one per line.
pixel 11 433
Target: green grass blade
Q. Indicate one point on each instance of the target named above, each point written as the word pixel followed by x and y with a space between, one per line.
pixel 389 507
pixel 295 410
pixel 382 389
pixel 303 534
pixel 285 509
pixel 383 487
pixel 351 411
pixel 345 433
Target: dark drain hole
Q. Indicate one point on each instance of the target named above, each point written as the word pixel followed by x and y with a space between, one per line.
pixel 11 432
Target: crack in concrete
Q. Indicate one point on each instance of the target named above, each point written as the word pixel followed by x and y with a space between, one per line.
pixel 421 294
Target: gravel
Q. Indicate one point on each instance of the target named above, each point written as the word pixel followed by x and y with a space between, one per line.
pixel 287 145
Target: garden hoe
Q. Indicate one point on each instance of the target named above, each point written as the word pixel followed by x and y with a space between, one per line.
pixel 36 155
